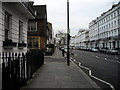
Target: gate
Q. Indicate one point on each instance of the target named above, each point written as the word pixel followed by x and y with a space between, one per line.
pixel 18 68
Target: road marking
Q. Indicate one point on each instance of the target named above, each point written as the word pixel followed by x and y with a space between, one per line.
pixel 118 62
pixel 74 60
pixel 90 74
pixel 116 58
pixel 105 58
pixel 115 61
pixel 79 64
pixel 96 56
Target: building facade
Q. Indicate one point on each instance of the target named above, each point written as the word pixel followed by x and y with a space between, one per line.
pixel 13 26
pixel 50 33
pixel 37 28
pixel 80 41
pixel 104 31
pixel 61 39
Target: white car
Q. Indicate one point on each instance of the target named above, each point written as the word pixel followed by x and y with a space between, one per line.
pixel 94 49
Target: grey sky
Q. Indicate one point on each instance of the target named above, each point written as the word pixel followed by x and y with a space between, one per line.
pixel 81 12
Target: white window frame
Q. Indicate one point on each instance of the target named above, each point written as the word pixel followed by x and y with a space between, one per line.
pixel 32 24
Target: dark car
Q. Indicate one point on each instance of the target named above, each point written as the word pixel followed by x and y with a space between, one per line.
pixel 112 51
pixel 118 49
pixel 104 50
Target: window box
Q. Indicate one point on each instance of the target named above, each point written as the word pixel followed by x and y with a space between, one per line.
pixel 22 45
pixel 9 43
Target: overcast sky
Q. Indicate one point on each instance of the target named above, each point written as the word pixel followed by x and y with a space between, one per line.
pixel 81 12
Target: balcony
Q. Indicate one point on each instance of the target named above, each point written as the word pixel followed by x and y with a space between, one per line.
pixel 29 6
pixel 22 45
pixel 9 43
pixel 24 9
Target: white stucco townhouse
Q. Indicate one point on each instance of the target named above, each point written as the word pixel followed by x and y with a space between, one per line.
pixel 104 31
pixel 13 26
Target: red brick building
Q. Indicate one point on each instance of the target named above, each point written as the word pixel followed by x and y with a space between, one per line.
pixel 37 28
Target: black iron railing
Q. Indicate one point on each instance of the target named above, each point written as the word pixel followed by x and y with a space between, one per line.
pixel 18 68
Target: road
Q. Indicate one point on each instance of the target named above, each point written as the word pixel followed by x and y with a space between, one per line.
pixel 103 66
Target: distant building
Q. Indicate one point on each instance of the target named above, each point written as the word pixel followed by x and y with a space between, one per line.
pixel 50 33
pixel 62 39
pixel 37 28
pixel 104 31
pixel 72 41
pixel 13 26
pixel 80 41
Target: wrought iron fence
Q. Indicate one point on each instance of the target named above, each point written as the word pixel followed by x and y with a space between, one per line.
pixel 18 68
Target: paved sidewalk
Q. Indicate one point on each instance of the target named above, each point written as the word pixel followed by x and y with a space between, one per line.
pixel 56 74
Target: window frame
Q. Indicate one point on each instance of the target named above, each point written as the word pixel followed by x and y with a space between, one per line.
pixel 7 23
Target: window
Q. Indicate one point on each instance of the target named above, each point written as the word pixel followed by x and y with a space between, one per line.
pixel 115 31
pixel 106 18
pixel 114 14
pixel 112 24
pixel 111 16
pixel 20 32
pixel 109 25
pixel 36 13
pixel 33 42
pixel 115 23
pixel 118 12
pixel 8 18
pixel 118 21
pixel 32 26
pixel 106 26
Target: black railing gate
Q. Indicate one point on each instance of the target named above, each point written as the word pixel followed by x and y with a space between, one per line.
pixel 18 68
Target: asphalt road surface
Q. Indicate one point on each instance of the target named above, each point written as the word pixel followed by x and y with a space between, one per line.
pixel 103 66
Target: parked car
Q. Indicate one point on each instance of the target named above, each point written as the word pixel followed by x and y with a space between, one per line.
pixel 94 49
pixel 112 51
pixel 89 49
pixel 118 49
pixel 104 50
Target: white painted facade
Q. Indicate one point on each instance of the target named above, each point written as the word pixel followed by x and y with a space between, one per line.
pixel 0 42
pixel 1 26
pixel 72 41
pixel 79 41
pixel 105 30
pixel 19 13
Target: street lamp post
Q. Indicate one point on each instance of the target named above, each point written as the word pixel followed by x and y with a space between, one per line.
pixel 68 35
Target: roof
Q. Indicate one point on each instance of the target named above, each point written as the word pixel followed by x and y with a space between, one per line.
pixel 41 12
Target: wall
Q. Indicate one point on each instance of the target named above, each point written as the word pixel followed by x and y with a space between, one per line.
pixel 42 42
pixel 0 26
pixel 16 16
pixel 0 42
